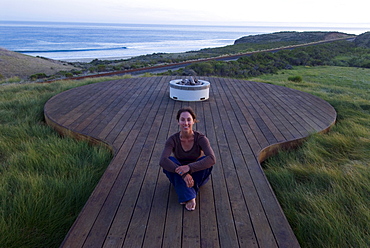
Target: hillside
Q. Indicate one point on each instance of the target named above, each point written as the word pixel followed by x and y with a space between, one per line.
pixel 299 37
pixel 20 65
pixel 363 40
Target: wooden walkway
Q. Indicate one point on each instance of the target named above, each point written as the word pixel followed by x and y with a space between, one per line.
pixel 134 204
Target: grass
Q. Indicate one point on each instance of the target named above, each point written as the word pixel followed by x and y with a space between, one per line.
pixel 45 180
pixel 324 186
pixel 9 80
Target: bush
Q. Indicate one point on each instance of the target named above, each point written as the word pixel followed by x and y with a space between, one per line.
pixel 296 79
pixel 38 76
pixel 101 68
pixel 69 74
pixel 76 72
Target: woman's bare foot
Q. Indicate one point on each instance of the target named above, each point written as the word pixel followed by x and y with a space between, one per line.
pixel 190 205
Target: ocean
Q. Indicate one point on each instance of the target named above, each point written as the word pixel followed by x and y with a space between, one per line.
pixel 88 41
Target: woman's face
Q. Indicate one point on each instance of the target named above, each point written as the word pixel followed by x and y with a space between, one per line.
pixel 186 122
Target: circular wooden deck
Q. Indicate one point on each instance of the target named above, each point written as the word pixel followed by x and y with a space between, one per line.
pixel 135 206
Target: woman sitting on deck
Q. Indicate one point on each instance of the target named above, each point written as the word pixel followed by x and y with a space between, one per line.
pixel 192 160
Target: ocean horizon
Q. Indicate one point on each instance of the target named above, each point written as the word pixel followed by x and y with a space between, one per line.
pixel 88 41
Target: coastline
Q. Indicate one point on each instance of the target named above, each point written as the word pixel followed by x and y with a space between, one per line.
pixel 118 63
pixel 76 42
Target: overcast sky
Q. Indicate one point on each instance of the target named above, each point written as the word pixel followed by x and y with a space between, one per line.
pixel 229 12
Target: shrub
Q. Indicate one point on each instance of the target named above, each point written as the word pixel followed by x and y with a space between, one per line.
pixel 296 79
pixel 76 72
pixel 69 74
pixel 101 68
pixel 38 76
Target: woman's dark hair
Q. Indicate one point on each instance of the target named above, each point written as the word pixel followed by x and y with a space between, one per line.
pixel 187 109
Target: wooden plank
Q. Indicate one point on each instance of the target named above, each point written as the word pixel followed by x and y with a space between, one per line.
pixel 263 120
pixel 282 120
pixel 251 161
pixel 247 216
pixel 157 216
pixel 120 195
pixel 221 174
pixel 251 115
pixel 121 130
pixel 207 210
pixel 117 116
pixel 61 104
pixel 86 101
pixel 287 107
pixel 288 117
pixel 97 204
pixel 96 107
pixel 137 223
pixel 172 235
pixel 136 202
pixel 120 96
pixel 261 182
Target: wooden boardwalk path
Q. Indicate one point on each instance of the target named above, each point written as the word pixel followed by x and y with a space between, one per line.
pixel 134 204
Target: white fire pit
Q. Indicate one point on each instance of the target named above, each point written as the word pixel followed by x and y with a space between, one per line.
pixel 189 90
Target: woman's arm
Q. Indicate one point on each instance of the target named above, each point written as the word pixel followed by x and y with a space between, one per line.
pixel 209 159
pixel 165 162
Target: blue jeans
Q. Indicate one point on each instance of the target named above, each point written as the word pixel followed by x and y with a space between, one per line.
pixel 183 192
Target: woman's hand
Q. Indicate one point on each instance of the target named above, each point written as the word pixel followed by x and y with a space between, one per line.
pixel 182 170
pixel 189 180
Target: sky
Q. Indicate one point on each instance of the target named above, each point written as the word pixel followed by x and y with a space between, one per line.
pixel 208 12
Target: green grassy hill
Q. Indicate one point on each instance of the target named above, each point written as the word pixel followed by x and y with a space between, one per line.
pixel 299 37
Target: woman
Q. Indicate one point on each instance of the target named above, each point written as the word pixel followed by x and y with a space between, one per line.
pixel 192 160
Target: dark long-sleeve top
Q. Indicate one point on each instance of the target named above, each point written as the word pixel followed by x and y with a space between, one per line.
pixel 201 144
